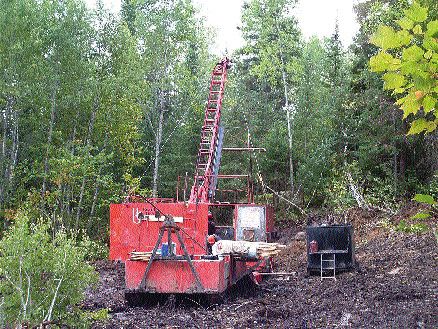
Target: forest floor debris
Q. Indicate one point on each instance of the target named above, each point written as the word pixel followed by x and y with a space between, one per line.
pixel 396 287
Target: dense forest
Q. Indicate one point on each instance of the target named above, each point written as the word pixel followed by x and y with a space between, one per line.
pixel 96 106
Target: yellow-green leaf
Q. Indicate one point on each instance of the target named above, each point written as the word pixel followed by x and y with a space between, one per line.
pixel 421 215
pixel 400 101
pixel 393 80
pixel 412 54
pixel 416 13
pixel 424 198
pixel 410 105
pixel 417 29
pixel 425 83
pixel 431 126
pixel 405 23
pixel 428 103
pixel 384 61
pixel 417 70
pixel 428 54
pixel 418 126
pixel 430 43
pixel 432 29
pixel 403 38
pixel 386 38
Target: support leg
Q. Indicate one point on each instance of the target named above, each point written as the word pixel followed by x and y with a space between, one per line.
pixel 192 268
pixel 154 253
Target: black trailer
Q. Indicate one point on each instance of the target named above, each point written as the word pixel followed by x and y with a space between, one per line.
pixel 330 247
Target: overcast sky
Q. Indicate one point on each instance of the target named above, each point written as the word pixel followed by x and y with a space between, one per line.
pixel 315 17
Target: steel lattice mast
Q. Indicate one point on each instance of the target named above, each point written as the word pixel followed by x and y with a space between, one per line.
pixel 210 147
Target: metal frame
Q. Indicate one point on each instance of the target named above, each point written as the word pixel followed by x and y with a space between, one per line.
pixel 169 226
pixel 209 135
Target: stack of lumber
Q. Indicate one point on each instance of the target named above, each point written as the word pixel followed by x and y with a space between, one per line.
pixel 247 249
pixel 265 249
pixel 244 249
pixel 140 255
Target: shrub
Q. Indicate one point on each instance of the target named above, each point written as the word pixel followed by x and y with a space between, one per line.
pixel 41 274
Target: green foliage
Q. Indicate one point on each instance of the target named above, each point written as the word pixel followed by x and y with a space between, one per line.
pixel 429 201
pixel 96 249
pixel 83 92
pixel 424 198
pixel 71 80
pixel 421 215
pixel 405 227
pixel 91 316
pixel 133 186
pixel 272 36
pixel 339 197
pixel 386 38
pixel 383 61
pixel 431 188
pixel 41 275
pixel 412 67
pixel 176 64
pixel 416 13
pixel 315 118
pixel 380 192
pixel 265 72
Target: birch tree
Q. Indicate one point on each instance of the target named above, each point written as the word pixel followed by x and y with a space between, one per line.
pixel 166 31
pixel 272 38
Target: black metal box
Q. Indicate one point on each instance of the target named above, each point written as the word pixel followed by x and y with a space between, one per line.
pixel 338 238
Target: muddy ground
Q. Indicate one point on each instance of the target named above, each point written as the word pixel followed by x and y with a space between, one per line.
pixel 396 287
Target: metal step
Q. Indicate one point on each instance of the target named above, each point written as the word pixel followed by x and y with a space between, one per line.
pixel 328 264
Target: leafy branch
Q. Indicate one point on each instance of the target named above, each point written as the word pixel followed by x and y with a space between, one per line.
pixel 409 58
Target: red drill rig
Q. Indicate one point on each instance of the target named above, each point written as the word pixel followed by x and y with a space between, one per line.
pixel 167 246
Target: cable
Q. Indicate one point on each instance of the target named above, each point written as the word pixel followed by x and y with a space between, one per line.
pixel 190 237
pixel 259 175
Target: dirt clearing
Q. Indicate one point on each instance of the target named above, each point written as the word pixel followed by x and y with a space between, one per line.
pixel 396 287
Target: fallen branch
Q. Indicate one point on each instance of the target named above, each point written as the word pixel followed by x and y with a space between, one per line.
pixel 243 304
pixel 284 199
pixel 355 192
pixel 52 304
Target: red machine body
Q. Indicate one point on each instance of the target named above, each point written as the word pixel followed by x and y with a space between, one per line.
pixel 148 227
pixel 129 233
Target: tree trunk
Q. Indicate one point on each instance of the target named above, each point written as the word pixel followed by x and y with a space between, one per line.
pixel 96 189
pixel 49 141
pixel 66 190
pixel 288 114
pixel 14 149
pixel 158 139
pixel 5 127
pixel 291 163
pixel 402 153
pixel 3 161
pixel 289 126
pixel 88 144
pixel 395 155
pixel 8 165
